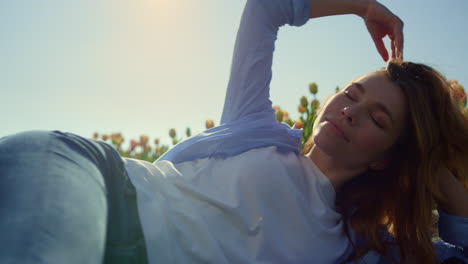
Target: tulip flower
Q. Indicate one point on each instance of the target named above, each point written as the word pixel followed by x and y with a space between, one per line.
pixel 301 109
pixel 285 115
pixel 276 108
pixel 143 140
pixel 313 88
pixel 119 141
pixel 147 148
pixel 156 141
pixel 208 124
pixel 95 136
pixel 458 92
pixel 105 137
pixel 299 124
pixel 304 102
pixel 315 104
pixel 133 144
pixel 279 116
pixel 172 133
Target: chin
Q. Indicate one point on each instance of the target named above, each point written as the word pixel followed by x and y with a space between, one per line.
pixel 327 146
pixel 321 143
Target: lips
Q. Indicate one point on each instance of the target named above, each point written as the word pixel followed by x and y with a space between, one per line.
pixel 338 128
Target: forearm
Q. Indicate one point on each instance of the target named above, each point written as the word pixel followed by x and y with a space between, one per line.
pixel 456 197
pixel 321 8
pixel 249 82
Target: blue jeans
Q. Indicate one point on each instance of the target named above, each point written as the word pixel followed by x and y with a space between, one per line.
pixel 66 199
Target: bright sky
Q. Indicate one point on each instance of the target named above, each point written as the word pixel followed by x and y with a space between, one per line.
pixel 145 66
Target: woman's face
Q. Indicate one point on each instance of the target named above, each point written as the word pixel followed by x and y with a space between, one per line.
pixel 357 126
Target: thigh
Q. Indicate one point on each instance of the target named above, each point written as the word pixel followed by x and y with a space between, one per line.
pixel 125 242
pixel 53 206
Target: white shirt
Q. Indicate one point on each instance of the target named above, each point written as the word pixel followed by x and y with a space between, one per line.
pixel 261 206
pixel 241 192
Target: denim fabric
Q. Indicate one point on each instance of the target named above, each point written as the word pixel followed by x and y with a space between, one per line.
pixel 56 193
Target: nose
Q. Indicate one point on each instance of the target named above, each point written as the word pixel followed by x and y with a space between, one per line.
pixel 349 114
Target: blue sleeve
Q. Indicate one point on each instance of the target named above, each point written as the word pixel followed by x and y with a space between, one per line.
pixel 453 229
pixel 248 89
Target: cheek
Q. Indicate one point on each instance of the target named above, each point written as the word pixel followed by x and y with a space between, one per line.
pixel 333 106
pixel 371 142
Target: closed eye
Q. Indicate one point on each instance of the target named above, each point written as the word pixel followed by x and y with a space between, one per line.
pixel 377 123
pixel 348 95
pixel 379 119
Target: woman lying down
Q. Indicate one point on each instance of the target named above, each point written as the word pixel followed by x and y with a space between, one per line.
pixel 385 151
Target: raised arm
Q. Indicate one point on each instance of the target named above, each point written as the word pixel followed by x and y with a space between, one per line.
pixel 248 88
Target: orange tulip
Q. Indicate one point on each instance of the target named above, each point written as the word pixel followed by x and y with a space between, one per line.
pixel 208 124
pixel 143 140
pixel 95 135
pixel 156 141
pixel 301 109
pixel 105 137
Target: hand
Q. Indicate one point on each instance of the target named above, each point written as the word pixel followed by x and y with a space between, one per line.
pixel 381 22
pixel 455 196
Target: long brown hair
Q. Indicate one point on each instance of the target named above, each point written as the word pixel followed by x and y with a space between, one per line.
pixel 400 199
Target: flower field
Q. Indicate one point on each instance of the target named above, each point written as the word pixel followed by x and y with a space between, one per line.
pixel 150 150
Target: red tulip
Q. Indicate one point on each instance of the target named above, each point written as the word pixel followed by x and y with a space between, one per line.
pixel 299 124
pixel 133 144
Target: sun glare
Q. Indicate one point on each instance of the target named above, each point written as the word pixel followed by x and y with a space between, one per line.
pixel 160 3
pixel 160 9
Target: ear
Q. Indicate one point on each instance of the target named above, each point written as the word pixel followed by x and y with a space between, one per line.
pixel 380 164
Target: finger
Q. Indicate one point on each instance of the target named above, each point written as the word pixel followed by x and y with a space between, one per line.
pixel 392 45
pixel 381 48
pixel 399 38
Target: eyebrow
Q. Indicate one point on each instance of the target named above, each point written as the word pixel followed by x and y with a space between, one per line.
pixel 379 105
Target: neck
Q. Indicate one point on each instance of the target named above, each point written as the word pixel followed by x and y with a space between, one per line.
pixel 335 171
